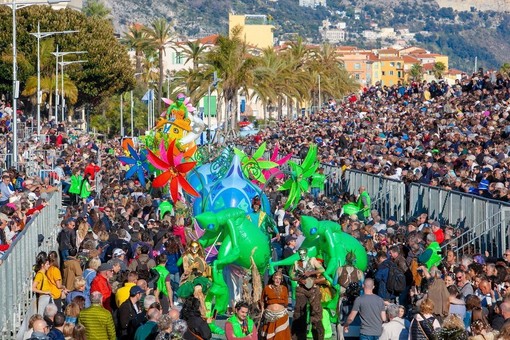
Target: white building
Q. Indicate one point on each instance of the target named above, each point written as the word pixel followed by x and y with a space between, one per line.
pixel 312 3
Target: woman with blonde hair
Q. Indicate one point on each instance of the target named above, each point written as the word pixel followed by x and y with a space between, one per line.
pixel 482 331
pixel 72 311
pixel 90 273
pixel 68 330
pixel 81 233
pixel 424 323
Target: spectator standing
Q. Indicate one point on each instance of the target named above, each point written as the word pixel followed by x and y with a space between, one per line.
pixel 395 329
pixel 130 314
pixel 149 330
pixel 57 331
pixel 40 331
pixel 424 323
pixel 97 320
pixel 41 285
pixel 72 269
pixel 101 284
pixel 371 311
pixel 66 239
pixel 55 280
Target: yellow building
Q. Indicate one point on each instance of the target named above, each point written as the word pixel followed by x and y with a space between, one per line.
pixel 392 70
pixel 363 66
pixel 257 30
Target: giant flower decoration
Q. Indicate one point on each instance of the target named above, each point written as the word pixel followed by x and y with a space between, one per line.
pixel 253 166
pixel 138 164
pixel 274 158
pixel 174 170
pixel 299 176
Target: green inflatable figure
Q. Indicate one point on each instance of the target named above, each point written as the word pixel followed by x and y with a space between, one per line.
pixel 240 241
pixel 326 240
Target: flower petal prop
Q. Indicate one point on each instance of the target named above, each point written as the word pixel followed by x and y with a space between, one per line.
pixel 274 158
pixel 253 166
pixel 174 172
pixel 138 164
pixel 300 174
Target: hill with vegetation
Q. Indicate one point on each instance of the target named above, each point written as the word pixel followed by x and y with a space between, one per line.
pixel 460 34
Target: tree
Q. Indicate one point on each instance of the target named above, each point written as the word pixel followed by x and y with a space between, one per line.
pixel 194 51
pixel 415 73
pixel 505 69
pixel 96 9
pixel 235 67
pixel 160 33
pixel 136 39
pixel 438 69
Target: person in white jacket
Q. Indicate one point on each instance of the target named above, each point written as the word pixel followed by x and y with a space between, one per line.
pixel 396 328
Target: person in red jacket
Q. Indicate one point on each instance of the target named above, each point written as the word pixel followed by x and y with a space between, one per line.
pixel 436 229
pixel 101 284
pixel 91 169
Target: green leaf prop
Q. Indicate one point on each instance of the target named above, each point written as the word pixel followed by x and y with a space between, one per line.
pixel 252 166
pixel 299 176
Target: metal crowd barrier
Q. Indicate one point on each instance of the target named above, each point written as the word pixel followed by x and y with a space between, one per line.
pixel 388 196
pixel 483 222
pixel 16 271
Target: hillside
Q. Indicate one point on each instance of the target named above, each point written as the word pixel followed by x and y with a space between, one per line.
pixel 462 33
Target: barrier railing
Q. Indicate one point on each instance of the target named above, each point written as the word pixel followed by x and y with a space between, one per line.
pixel 16 272
pixel 476 215
pixel 388 196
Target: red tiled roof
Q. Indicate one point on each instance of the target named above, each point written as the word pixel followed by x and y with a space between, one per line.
pixel 209 40
pixel 410 60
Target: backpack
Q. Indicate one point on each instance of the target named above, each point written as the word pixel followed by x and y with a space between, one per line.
pixel 345 278
pixel 396 282
pixel 143 270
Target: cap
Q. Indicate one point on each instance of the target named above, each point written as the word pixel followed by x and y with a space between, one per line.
pixel 135 290
pixel 435 224
pixel 290 238
pixel 118 252
pixel 105 267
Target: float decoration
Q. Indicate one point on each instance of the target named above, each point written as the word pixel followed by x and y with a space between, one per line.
pixel 138 164
pixel 253 166
pixel 174 172
pixel 274 158
pixel 300 174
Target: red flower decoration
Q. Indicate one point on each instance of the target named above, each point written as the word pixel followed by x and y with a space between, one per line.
pixel 173 173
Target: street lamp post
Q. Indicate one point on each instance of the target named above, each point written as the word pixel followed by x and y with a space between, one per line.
pixel 122 115
pixel 15 83
pixel 40 35
pixel 58 54
pixel 62 64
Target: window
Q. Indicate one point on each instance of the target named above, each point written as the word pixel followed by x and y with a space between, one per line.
pixel 383 73
pixel 391 73
pixel 399 74
pixel 399 65
pixel 179 59
pixel 392 64
pixel 357 66
pixel 357 76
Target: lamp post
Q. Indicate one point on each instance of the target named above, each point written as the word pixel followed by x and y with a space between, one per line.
pixel 62 64
pixel 15 83
pixel 58 54
pixel 132 104
pixel 40 35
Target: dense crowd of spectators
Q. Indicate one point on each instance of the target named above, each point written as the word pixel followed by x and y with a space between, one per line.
pixel 452 136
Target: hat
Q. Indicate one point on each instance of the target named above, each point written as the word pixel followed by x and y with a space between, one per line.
pixel 4 217
pixel 117 252
pixel 435 224
pixel 290 238
pixel 105 267
pixel 32 196
pixel 470 158
pixel 135 290
pixel 484 185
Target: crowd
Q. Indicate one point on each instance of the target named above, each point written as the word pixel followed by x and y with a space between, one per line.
pixel 451 136
pixel 116 271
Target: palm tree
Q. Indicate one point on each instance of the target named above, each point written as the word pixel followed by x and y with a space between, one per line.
pixel 48 87
pixel 438 69
pixel 96 9
pixel 194 51
pixel 235 66
pixel 415 72
pixel 136 39
pixel 160 34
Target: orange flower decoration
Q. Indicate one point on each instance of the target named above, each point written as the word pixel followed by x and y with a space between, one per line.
pixel 174 172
